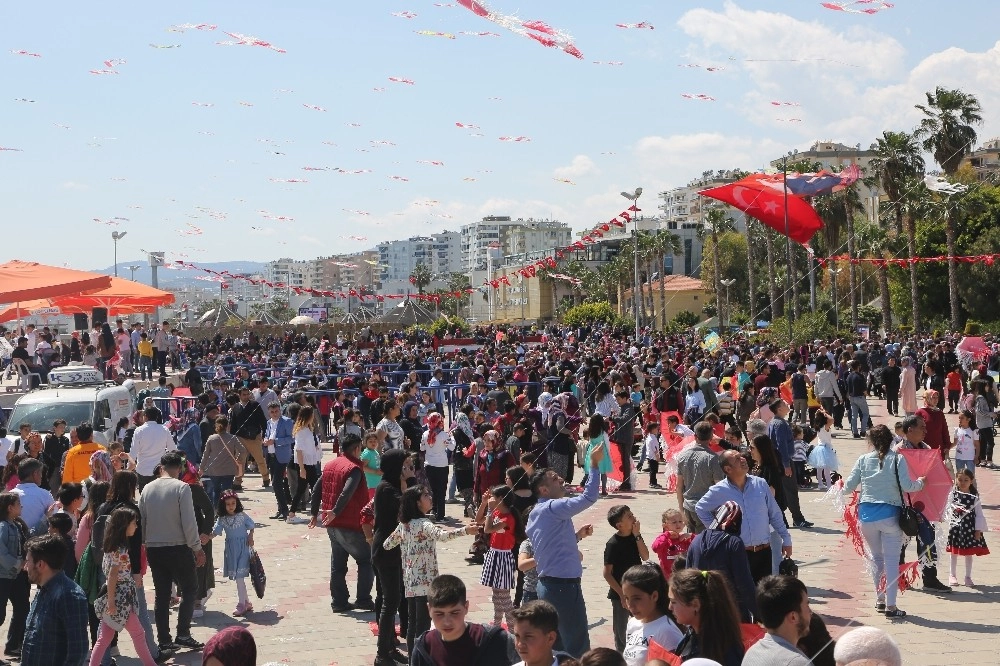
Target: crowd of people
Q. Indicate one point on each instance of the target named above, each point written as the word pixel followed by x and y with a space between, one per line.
pixel 500 429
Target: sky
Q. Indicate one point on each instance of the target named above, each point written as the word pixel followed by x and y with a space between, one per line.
pixel 190 149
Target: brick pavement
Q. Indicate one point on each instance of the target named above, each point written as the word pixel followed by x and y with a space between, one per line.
pixel 293 623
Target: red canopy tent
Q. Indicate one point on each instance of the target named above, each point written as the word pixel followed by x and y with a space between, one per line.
pixel 26 280
pixel 122 297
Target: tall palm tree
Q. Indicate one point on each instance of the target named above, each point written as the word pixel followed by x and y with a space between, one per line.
pixel 715 221
pixel 946 131
pixel 750 268
pixel 897 164
pixel 772 282
pixel 421 277
pixel 666 244
pixel 875 242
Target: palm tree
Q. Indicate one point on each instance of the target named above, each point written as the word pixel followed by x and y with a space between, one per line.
pixel 666 244
pixel 897 164
pixel 421 277
pixel 715 221
pixel 875 242
pixel 772 282
pixel 946 131
pixel 750 269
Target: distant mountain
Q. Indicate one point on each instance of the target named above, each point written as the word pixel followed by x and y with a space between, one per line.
pixel 172 278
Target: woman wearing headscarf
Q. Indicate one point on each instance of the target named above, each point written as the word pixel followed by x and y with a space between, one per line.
pixel 491 464
pixel 233 646
pixel 464 455
pixel 907 386
pixel 564 422
pixel 397 470
pixel 435 445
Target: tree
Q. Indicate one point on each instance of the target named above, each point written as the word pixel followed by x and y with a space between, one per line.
pixel 716 221
pixel 729 253
pixel 421 277
pixel 666 244
pixel 897 166
pixel 946 131
pixel 875 242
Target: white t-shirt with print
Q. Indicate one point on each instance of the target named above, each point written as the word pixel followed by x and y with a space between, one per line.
pixel 637 635
pixel 965 443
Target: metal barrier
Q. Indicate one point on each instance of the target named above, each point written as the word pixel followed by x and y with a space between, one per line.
pixel 174 407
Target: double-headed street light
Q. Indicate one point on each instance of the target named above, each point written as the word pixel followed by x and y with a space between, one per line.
pixel 634 197
pixel 727 284
pixel 117 236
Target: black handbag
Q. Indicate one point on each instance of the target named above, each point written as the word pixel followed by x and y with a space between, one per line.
pixel 908 520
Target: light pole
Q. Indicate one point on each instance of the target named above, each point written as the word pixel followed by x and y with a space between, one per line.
pixel 133 269
pixel 788 243
pixel 634 198
pixel 727 284
pixel 836 307
pixel 117 236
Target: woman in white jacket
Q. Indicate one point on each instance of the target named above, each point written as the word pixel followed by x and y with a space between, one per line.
pixel 436 444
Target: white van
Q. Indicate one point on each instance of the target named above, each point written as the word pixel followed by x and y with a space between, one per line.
pixel 75 394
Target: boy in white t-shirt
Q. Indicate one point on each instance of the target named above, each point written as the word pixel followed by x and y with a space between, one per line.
pixel 966 442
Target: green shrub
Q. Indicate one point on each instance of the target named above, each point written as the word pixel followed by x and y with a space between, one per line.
pixel 444 324
pixel 971 328
pixel 595 313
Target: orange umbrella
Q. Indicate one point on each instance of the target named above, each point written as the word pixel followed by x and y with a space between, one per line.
pixel 123 297
pixel 25 281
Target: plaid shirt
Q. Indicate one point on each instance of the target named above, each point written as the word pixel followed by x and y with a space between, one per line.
pixel 57 629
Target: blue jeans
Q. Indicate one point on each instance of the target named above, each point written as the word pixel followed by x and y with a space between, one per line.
pixel 859 407
pixel 344 543
pixel 567 596
pixel 964 464
pixel 146 367
pixel 218 485
pixel 885 540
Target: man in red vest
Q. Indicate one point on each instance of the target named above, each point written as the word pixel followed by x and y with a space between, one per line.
pixel 342 492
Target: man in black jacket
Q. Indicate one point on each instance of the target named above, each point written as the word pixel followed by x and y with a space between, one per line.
pixel 624 436
pixel 248 422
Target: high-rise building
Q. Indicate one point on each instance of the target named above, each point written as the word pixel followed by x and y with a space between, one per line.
pixel 515 236
pixel 289 272
pixel 440 253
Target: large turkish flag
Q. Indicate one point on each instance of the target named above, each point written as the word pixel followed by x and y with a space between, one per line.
pixel 768 206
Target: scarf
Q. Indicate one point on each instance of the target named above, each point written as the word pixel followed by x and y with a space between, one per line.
pixel 462 423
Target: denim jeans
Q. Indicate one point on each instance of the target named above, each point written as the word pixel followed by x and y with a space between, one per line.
pixel 859 407
pixel 343 543
pixel 567 596
pixel 884 540
pixel 218 485
pixel 173 564
pixel 146 367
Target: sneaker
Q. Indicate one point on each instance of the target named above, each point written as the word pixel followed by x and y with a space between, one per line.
pixel 803 524
pixel 968 582
pixel 367 605
pixel 166 652
pixel 346 608
pixel 198 612
pixel 952 581
pixel 655 485
pixel 290 519
pixel 934 585
pixel 188 642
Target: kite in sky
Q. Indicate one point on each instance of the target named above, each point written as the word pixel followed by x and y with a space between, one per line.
pixel 191 26
pixel 859 6
pixel 467 126
pixel 470 33
pixel 701 97
pixel 398 79
pixel 564 180
pixel 165 46
pixel 641 25
pixel 288 180
pixel 406 15
pixel 203 104
pixel 608 62
pixel 779 103
pixel 539 31
pixel 400 178
pixel 248 40
pixel 25 53
pixel 431 162
pixel 433 33
pixel 191 230
pixel 515 139
pixel 314 107
pixel 707 68
pixel 356 212
pixel 25 99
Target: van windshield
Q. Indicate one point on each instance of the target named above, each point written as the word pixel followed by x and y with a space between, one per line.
pixel 41 416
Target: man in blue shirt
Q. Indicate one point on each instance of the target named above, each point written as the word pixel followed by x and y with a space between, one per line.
pixel 553 538
pixel 760 511
pixel 56 633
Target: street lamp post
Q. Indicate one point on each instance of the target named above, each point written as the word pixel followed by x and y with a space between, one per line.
pixel 836 307
pixel 634 198
pixel 133 269
pixel 117 236
pixel 727 284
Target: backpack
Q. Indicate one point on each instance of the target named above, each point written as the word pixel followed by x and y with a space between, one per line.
pixel 97 530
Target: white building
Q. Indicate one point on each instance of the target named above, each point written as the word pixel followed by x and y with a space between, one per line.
pixel 288 272
pixel 440 252
pixel 514 236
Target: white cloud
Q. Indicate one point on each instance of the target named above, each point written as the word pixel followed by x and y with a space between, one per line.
pixel 73 185
pixel 580 166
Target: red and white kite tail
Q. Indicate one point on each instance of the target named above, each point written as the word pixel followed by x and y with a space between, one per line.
pixel 539 31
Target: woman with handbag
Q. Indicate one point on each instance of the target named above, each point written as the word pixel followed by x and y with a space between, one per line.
pixel 220 459
pixel 882 512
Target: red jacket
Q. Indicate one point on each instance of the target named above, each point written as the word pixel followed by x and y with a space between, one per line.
pixel 335 475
